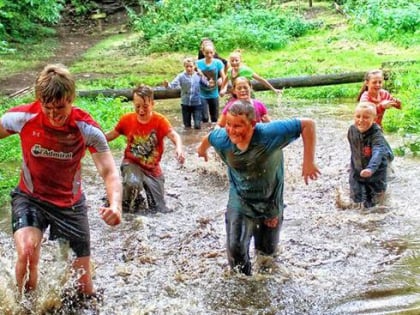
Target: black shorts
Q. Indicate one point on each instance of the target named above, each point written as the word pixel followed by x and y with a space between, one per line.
pixel 69 224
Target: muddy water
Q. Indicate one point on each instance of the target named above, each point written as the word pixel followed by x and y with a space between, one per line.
pixel 331 260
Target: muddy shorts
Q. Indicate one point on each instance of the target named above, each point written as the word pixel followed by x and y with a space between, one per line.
pixel 134 181
pixel 67 224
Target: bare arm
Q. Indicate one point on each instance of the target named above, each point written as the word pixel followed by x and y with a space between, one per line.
pixel 104 162
pixel 265 118
pixel 223 87
pixel 309 169
pixel 266 83
pixel 3 132
pixel 222 120
pixel 203 147
pixel 176 140
pixel 111 135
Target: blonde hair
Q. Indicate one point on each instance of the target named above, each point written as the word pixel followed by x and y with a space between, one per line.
pixel 188 60
pixel 55 83
pixel 236 53
pixel 368 76
pixel 367 106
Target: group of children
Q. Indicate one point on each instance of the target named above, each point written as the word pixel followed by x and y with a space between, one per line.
pixel 203 81
pixel 371 154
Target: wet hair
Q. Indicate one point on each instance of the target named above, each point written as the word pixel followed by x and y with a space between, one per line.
pixel 367 106
pixel 368 76
pixel 144 91
pixel 55 83
pixel 242 107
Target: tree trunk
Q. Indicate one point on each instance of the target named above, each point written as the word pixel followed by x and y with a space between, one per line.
pixel 278 83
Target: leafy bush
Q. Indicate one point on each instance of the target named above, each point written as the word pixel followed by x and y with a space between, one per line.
pixel 20 20
pixel 179 25
pixel 386 19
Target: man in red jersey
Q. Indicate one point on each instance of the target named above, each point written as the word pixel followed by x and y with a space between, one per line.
pixel 54 137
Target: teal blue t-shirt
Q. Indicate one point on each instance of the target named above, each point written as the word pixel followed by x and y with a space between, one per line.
pixel 256 175
pixel 211 72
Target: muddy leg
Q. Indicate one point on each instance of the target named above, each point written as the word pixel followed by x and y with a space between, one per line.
pixel 239 230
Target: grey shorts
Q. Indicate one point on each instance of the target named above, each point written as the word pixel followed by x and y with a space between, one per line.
pixel 134 181
pixel 69 224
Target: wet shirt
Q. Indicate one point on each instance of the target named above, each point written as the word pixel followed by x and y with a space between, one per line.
pixel 211 72
pixel 368 150
pixel 145 142
pixel 384 95
pixel 256 175
pixel 51 166
pixel 260 109
pixel 190 88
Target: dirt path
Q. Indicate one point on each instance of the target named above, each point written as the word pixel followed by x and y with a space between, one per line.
pixel 73 41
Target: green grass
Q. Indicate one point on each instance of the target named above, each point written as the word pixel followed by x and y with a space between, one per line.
pixel 26 57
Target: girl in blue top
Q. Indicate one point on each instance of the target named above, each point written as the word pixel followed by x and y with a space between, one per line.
pixel 210 69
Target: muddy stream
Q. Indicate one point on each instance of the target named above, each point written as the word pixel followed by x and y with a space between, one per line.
pixel 331 260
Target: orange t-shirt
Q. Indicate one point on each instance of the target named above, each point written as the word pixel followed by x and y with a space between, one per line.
pixel 145 142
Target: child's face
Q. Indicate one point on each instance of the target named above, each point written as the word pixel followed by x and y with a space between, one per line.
pixel 143 106
pixel 57 112
pixel 363 119
pixel 242 89
pixel 374 83
pixel 235 61
pixel 238 128
pixel 208 52
pixel 189 67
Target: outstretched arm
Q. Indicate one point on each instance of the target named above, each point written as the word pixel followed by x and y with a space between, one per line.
pixel 266 83
pixel 309 169
pixel 176 140
pixel 203 147
pixel 106 167
pixel 111 135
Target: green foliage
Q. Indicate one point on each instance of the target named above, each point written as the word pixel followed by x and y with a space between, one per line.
pixel 380 20
pixel 28 19
pixel 180 25
pixel 106 111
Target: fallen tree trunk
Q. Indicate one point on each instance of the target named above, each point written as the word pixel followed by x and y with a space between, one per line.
pixel 279 83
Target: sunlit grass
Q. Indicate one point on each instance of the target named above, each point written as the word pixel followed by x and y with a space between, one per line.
pixel 26 57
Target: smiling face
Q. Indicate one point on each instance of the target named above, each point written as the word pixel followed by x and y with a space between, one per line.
pixel 239 130
pixel 364 116
pixel 235 60
pixel 242 88
pixel 374 83
pixel 57 112
pixel 143 106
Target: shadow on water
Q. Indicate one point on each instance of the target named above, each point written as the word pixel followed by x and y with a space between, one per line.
pixel 332 258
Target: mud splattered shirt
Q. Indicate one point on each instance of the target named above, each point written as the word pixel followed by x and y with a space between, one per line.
pixel 145 142
pixel 368 150
pixel 51 166
pixel 256 175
